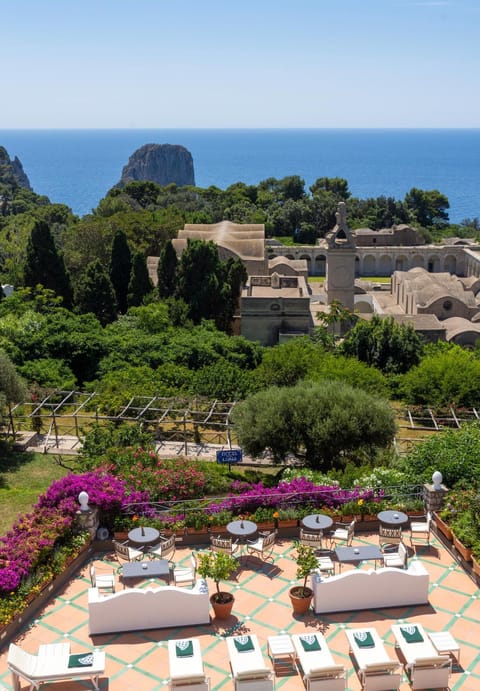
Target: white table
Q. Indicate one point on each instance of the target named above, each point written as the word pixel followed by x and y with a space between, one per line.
pixel 444 642
pixel 281 646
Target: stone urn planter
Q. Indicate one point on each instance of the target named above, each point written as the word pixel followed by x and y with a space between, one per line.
pixel 443 527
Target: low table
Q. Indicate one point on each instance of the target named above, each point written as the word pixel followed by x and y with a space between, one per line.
pixel 444 642
pixel 155 568
pixel 279 647
pixel 354 555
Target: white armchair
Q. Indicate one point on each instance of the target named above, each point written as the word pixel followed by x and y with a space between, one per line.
pixel 398 558
pixel 185 575
pixel 420 527
pixel 102 581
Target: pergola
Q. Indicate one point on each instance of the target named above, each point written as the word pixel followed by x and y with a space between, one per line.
pixel 73 413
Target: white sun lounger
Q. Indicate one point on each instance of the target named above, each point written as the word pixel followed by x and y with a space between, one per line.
pixel 186 672
pixel 320 672
pixel 249 670
pixel 376 670
pixel 425 667
pixel 38 669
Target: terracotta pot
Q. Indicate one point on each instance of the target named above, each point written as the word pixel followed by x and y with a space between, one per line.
pixel 300 603
pixel 224 608
pixel 465 552
pixel 266 525
pixel 287 522
pixel 476 566
pixel 443 527
pixel 120 536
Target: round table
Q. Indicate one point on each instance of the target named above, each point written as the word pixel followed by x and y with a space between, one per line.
pixel 242 529
pixel 392 518
pixel 144 536
pixel 317 521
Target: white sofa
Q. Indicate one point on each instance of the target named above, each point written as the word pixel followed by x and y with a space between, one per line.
pixel 360 589
pixel 134 609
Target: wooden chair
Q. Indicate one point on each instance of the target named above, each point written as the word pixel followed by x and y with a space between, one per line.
pixel 123 552
pixel 165 549
pixel 389 536
pixel 343 532
pixel 223 544
pixel 398 558
pixel 262 546
pixel 102 581
pixel 185 575
pixel 420 527
pixel 313 540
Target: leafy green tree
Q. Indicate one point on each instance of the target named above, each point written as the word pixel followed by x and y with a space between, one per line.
pixel 444 377
pixel 324 423
pixel 428 207
pixel 12 387
pixel 338 186
pixel 209 286
pixel 49 373
pixel 95 293
pixel 393 348
pixel 455 453
pixel 167 271
pixel 140 284
pixel 44 265
pixel 120 269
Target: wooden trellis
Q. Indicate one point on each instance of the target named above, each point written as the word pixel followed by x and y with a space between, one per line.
pixel 73 413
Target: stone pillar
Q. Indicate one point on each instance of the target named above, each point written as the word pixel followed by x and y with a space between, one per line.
pixel 88 520
pixel 433 498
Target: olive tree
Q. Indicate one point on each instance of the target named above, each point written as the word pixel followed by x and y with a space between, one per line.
pixel 322 422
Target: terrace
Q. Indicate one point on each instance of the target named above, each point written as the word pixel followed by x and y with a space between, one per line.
pixel 139 660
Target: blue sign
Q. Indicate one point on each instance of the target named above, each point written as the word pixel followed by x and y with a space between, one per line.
pixel 229 456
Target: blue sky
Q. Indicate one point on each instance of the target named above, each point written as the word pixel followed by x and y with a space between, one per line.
pixel 250 63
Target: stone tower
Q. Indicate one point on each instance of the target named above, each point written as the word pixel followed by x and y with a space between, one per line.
pixel 340 278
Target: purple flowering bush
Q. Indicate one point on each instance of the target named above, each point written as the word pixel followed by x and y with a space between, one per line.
pixel 34 536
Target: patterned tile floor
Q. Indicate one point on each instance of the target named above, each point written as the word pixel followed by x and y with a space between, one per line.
pixel 139 661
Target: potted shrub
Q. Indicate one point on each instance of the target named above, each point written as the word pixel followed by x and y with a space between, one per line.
pixel 286 518
pixel 196 522
pixel 301 595
pixel 263 517
pixel 219 567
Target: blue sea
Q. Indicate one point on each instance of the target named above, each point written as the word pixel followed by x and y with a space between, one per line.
pixel 78 167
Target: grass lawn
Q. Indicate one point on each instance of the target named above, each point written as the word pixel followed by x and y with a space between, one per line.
pixel 23 476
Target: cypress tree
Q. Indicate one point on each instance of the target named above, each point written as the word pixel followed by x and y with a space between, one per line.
pixel 120 268
pixel 167 271
pixel 95 293
pixel 140 283
pixel 44 265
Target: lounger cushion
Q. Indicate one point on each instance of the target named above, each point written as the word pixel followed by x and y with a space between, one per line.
pixel 252 672
pixel 331 671
pixel 437 661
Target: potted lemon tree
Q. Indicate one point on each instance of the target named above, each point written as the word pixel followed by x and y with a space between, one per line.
pixel 301 595
pixel 219 567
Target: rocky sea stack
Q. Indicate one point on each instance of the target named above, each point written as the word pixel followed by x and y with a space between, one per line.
pixel 11 171
pixel 160 163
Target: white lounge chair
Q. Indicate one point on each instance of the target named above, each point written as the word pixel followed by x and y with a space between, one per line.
pixel 425 667
pixel 320 672
pixel 54 666
pixel 249 671
pixel 376 670
pixel 186 665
